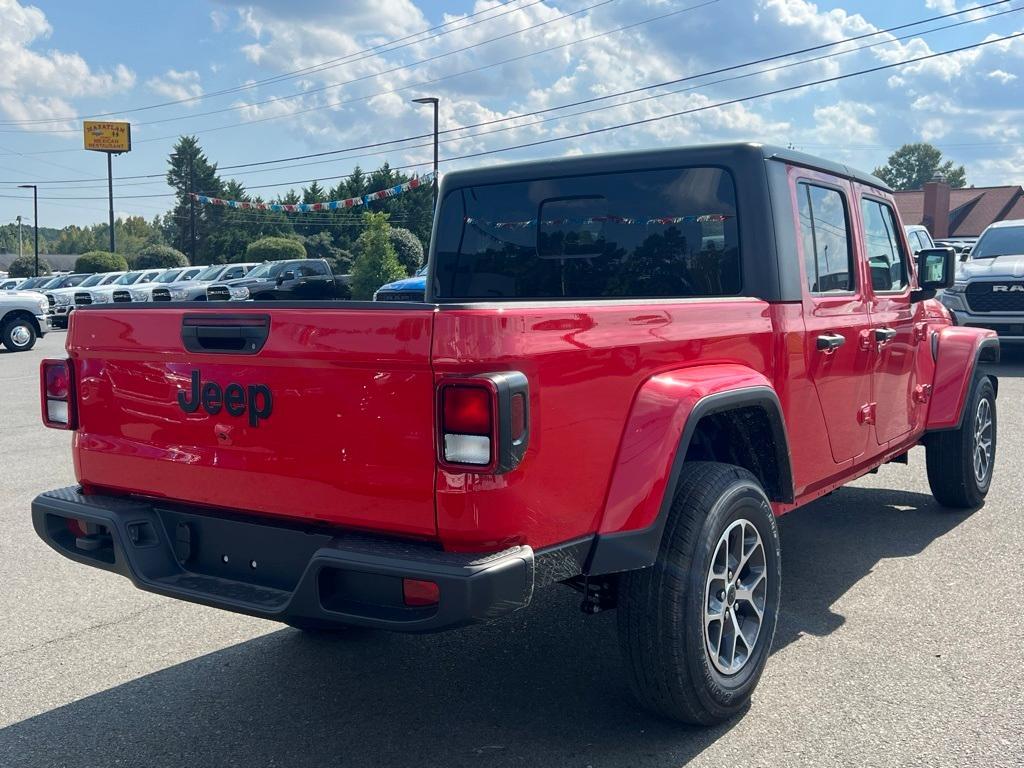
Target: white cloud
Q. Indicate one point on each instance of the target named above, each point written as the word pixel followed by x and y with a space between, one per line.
pixel 39 86
pixel 945 99
pixel 176 85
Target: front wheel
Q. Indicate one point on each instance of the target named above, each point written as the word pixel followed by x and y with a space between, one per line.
pixel 960 461
pixel 696 628
pixel 19 334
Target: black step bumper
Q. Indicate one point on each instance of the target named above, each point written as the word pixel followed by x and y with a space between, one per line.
pixel 281 572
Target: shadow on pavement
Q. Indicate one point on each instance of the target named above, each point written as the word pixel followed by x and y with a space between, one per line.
pixel 544 687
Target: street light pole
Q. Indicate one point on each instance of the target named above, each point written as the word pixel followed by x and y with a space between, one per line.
pixel 436 102
pixel 19 237
pixel 35 219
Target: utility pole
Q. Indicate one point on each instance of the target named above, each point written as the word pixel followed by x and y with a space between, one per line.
pixel 436 102
pixel 110 193
pixel 192 210
pixel 19 237
pixel 35 217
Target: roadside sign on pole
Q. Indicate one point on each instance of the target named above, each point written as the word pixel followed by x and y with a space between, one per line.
pixel 107 136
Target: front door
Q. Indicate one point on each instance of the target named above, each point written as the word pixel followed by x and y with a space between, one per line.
pixel 892 318
pixel 836 316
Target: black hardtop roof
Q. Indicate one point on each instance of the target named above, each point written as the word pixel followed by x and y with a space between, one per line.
pixel 731 154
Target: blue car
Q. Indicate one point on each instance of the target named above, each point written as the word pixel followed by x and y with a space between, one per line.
pixel 407 289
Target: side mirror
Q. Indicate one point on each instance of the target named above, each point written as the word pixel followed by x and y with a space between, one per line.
pixel 936 269
pixel 965 254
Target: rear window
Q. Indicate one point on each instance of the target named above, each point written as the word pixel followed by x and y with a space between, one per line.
pixel 644 234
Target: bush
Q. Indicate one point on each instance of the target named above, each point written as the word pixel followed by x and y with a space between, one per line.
pixel 25 266
pixel 408 248
pixel 155 256
pixel 376 262
pixel 275 249
pixel 101 261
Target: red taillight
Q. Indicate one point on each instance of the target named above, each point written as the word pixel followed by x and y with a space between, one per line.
pixel 467 410
pixel 419 593
pixel 58 382
pixel 57 394
pixel 483 422
pixel 467 424
pixel 517 417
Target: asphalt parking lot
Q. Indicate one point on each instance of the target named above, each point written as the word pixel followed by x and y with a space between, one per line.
pixel 901 642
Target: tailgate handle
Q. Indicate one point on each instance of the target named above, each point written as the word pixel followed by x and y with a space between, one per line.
pixel 225 334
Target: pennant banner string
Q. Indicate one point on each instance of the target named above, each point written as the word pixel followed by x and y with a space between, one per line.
pixel 333 205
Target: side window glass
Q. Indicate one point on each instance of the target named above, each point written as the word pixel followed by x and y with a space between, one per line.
pixel 885 254
pixel 232 273
pixel 825 234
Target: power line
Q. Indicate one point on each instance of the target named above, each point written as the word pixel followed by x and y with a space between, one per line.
pixel 330 63
pixel 361 78
pixel 597 98
pixel 622 104
pixel 738 100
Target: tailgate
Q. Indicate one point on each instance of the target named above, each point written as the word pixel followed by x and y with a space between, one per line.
pixel 331 419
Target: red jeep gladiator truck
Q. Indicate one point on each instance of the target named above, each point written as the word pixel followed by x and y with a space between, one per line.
pixel 626 367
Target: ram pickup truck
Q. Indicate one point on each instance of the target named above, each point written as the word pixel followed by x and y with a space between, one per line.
pixel 194 288
pixel 296 280
pixel 62 300
pixel 625 368
pixel 989 288
pixel 23 319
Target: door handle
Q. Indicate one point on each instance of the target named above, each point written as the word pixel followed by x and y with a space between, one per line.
pixel 830 342
pixel 883 334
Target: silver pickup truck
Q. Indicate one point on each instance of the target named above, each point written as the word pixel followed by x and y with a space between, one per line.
pixel 989 287
pixel 23 319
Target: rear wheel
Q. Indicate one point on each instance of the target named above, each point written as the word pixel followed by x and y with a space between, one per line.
pixel 960 461
pixel 18 334
pixel 696 628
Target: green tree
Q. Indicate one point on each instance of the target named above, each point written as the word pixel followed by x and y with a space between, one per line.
pixel 74 239
pixel 153 256
pixel 25 266
pixel 190 170
pixel 101 261
pixel 275 249
pixel 912 165
pixel 376 262
pixel 407 247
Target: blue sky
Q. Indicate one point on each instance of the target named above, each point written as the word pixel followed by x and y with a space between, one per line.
pixel 63 60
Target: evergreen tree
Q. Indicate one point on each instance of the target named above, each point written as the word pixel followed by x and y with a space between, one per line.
pixel 376 262
pixel 189 171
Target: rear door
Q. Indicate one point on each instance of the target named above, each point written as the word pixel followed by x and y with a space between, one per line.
pixel 836 316
pixel 329 418
pixel 892 316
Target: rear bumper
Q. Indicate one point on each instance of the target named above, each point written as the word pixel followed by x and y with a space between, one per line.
pixel 280 572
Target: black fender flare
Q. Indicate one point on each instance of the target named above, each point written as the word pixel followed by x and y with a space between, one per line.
pixel 632 550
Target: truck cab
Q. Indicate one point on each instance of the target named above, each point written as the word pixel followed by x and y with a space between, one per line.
pixel 989 287
pixel 625 367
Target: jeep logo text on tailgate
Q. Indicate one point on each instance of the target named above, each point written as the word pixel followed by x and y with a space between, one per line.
pixel 234 398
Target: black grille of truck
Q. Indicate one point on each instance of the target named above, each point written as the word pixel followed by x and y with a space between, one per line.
pixel 122 297
pixel 218 293
pixel 82 298
pixel 996 297
pixel 401 296
pixel 161 294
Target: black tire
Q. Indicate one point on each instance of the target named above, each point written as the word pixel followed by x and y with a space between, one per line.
pixel 19 334
pixel 661 609
pixel 950 455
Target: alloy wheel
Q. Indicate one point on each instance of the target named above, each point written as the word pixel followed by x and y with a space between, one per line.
pixel 735 597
